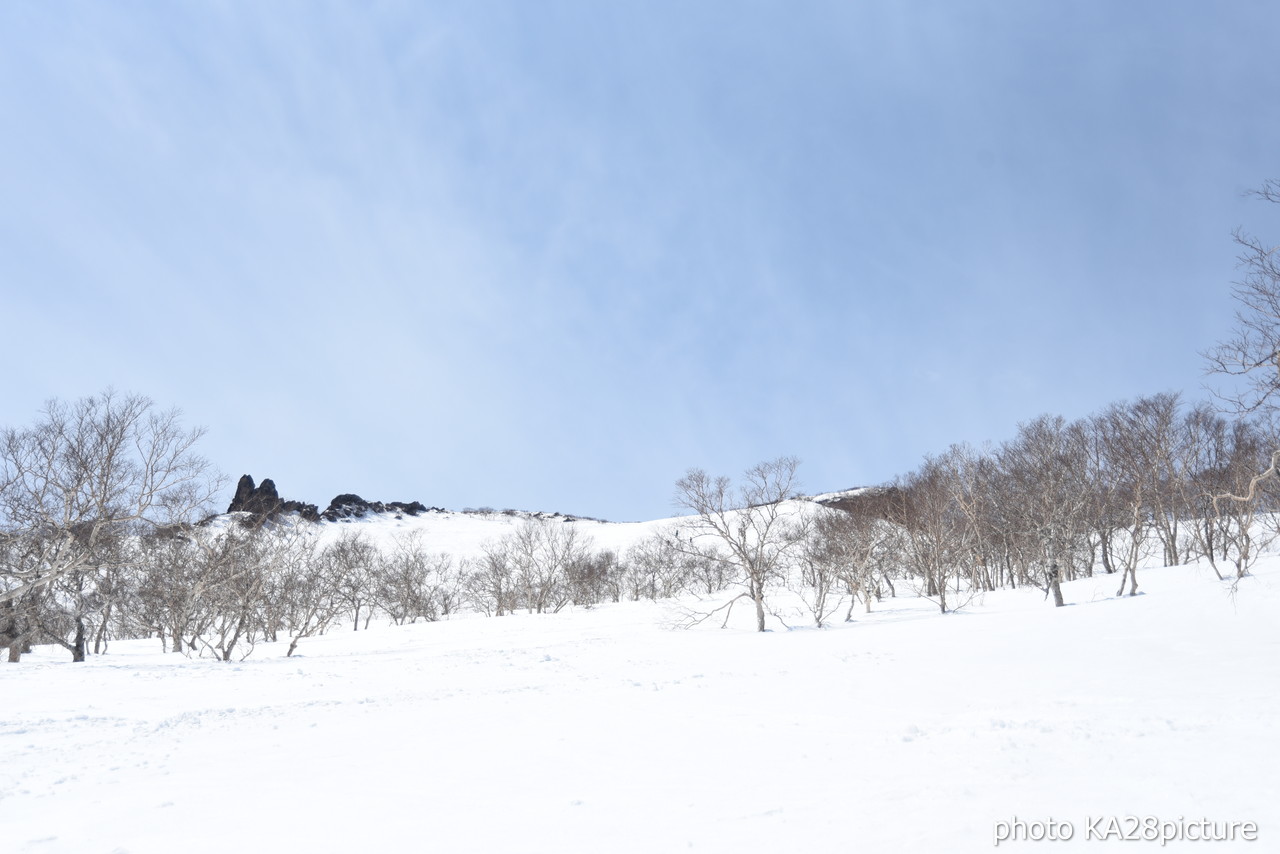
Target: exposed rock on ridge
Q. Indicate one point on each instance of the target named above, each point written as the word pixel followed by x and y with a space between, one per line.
pixel 265 502
pixel 350 506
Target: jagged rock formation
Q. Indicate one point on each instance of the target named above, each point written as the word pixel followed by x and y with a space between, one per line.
pixel 265 502
pixel 350 506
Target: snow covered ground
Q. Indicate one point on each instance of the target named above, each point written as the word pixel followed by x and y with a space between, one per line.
pixel 461 534
pixel 608 731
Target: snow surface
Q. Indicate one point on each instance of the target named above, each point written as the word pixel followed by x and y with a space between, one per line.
pixel 462 534
pixel 606 730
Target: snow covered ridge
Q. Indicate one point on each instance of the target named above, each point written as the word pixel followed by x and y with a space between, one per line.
pixel 843 494
pixel 849 497
pixel 264 502
pixel 601 729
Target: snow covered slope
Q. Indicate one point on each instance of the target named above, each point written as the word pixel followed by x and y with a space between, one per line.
pixel 606 731
pixel 463 534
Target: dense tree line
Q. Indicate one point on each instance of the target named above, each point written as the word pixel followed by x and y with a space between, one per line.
pixel 1065 499
pixel 105 535
pixel 1147 479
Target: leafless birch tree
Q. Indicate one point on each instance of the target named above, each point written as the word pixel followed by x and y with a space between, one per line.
pixel 80 478
pixel 746 525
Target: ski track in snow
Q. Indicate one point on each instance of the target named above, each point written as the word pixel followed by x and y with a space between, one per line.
pixel 605 730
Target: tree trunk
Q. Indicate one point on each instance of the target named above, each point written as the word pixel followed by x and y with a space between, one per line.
pixel 1104 547
pixel 1130 573
pixel 757 594
pixel 77 649
pixel 100 637
pixel 235 638
pixel 9 632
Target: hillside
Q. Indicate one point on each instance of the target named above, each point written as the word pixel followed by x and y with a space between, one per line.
pixel 457 533
pixel 464 534
pixel 605 730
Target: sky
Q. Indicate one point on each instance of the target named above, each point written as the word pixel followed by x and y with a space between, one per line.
pixel 551 255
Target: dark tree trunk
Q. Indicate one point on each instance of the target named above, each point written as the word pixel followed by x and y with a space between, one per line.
pixel 1055 584
pixel 78 647
pixel 100 637
pixel 1105 538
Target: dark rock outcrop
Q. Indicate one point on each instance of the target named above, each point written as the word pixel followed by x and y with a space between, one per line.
pixel 244 494
pixel 351 506
pixel 264 502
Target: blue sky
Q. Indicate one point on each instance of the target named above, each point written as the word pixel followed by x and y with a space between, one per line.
pixel 549 255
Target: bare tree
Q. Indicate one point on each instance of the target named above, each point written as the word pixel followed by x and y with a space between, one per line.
pixel 746 526
pixel 1138 441
pixel 174 573
pixel 1240 503
pixel 206 591
pixel 591 577
pixel 938 540
pixel 970 477
pixel 704 570
pixel 820 584
pixel 349 562
pixel 411 583
pixel 542 551
pixel 1252 353
pixel 653 567
pixel 1048 497
pixel 489 579
pixel 238 594
pixel 858 542
pixel 1223 460
pixel 83 476
pixel 308 601
pixel 76 605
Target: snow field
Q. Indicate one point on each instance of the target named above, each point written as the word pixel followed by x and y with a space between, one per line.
pixel 606 730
